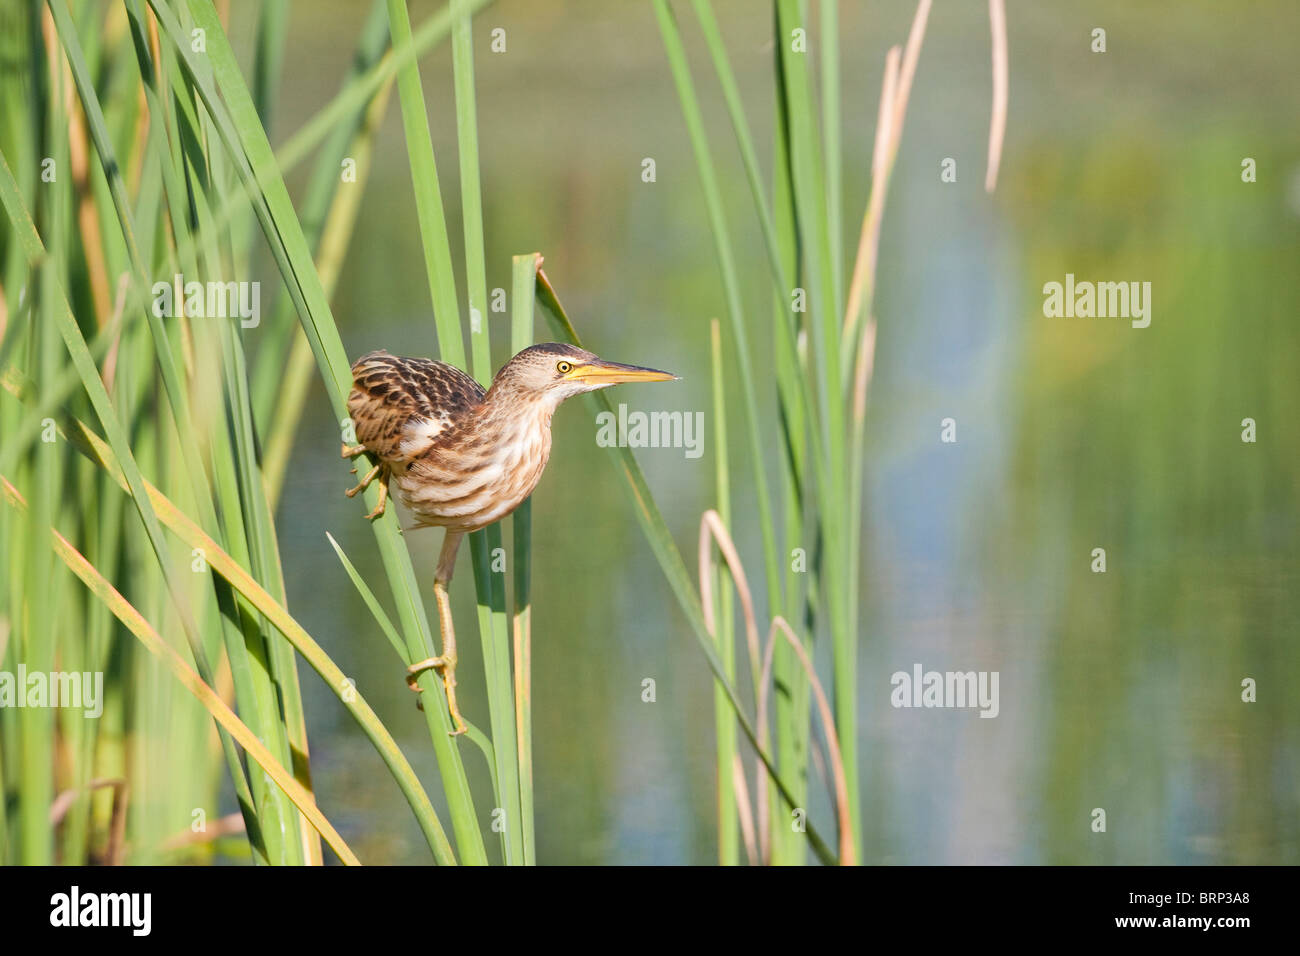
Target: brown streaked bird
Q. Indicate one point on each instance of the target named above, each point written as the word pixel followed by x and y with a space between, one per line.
pixel 461 457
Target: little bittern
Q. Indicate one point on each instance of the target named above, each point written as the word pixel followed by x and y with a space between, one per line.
pixel 462 458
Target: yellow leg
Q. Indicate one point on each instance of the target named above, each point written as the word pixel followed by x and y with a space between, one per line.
pixel 365 482
pixel 380 471
pixel 383 500
pixel 444 664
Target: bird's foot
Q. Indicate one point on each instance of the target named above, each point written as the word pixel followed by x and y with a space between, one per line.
pixel 381 503
pixel 380 471
pixel 446 669
pixel 351 451
pixel 371 475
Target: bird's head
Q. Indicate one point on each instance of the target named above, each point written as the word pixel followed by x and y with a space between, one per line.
pixel 552 372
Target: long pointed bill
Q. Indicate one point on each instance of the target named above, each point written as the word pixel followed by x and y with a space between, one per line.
pixel 613 373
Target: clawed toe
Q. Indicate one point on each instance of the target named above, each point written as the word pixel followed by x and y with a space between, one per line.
pixel 446 669
pixel 380 471
pixel 415 670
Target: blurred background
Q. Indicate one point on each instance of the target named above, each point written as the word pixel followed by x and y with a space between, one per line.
pixel 1119 690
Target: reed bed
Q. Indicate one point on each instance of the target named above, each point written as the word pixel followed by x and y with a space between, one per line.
pixel 810 516
pixel 156 163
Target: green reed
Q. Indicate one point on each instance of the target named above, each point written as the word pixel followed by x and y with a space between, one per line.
pixel 809 516
pixel 142 454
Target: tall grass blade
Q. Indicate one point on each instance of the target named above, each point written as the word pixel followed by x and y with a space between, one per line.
pixel 724 719
pixel 524 281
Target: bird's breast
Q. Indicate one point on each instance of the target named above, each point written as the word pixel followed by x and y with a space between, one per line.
pixel 473 479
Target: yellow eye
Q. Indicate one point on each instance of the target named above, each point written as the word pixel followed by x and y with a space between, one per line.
pixel 563 368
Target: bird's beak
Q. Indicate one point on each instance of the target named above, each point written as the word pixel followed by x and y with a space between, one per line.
pixel 612 373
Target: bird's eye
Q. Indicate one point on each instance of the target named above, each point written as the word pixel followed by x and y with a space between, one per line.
pixel 563 368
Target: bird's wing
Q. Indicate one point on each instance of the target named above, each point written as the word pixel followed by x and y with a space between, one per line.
pixel 400 405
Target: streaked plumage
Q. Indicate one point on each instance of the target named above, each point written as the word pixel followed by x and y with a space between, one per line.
pixel 400 404
pixel 460 457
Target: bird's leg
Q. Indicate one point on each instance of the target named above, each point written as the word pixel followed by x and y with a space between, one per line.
pixel 383 497
pixel 365 482
pixel 380 471
pixel 445 664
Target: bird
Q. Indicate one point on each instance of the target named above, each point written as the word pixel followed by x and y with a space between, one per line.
pixel 461 457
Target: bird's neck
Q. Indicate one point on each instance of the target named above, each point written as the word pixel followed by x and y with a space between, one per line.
pixel 521 433
pixel 513 411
